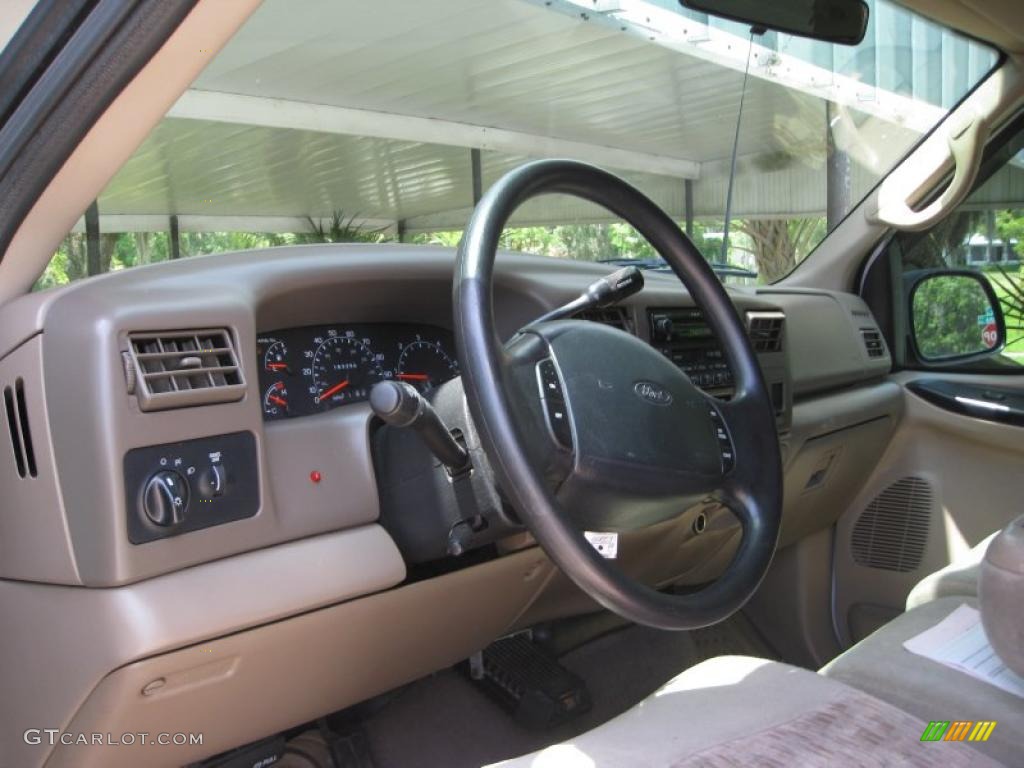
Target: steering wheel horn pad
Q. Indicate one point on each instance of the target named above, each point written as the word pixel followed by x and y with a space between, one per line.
pixel 645 440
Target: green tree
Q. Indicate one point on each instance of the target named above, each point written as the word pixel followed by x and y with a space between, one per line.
pixel 539 240
pixel 1010 226
pixel 339 229
pixel 449 238
pixel 778 245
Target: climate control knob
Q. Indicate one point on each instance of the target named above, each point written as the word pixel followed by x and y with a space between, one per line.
pixel 165 498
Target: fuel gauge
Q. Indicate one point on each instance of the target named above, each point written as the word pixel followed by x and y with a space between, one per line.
pixel 275 401
pixel 275 356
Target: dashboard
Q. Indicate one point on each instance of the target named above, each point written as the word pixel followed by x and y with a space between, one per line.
pixel 306 333
pixel 262 486
pixel 312 369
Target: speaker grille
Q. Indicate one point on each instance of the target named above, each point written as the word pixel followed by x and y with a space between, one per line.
pixel 891 532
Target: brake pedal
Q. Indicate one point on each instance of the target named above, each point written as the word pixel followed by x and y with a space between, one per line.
pixel 529 683
pixel 348 748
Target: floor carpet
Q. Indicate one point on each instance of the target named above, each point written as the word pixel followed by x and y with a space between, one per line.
pixel 444 720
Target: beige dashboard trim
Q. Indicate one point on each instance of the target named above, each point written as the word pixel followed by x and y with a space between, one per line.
pixel 241 687
pixel 81 635
pixel 35 542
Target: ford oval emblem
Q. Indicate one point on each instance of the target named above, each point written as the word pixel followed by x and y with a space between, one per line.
pixel 655 394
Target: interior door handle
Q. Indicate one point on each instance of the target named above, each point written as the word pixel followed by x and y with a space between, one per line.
pixel 981 402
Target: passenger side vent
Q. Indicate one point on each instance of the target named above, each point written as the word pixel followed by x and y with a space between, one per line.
pixel 17 426
pixel 613 316
pixel 765 330
pixel 173 369
pixel 873 342
pixel 891 532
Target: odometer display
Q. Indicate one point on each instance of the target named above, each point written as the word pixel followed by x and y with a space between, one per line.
pixel 343 369
pixel 304 371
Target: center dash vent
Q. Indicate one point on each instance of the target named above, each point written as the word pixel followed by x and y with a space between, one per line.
pixel 173 369
pixel 613 316
pixel 873 342
pixel 765 330
pixel 892 531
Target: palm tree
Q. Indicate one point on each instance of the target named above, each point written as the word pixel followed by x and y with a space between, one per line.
pixel 338 229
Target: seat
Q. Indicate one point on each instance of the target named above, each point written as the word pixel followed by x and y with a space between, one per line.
pixel 737 710
pixel 959 578
pixel 880 666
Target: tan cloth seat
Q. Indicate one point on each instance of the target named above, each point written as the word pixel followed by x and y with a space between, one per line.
pixel 959 578
pixel 881 666
pixel 736 710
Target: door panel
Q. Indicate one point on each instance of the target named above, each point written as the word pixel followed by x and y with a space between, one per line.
pixel 951 304
pixel 946 481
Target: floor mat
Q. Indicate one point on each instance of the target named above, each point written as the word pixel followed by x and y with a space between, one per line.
pixel 444 720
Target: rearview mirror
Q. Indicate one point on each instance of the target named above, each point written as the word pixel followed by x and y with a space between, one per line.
pixel 833 21
pixel 954 314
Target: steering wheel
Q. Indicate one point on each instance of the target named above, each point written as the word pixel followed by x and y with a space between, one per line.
pixel 588 426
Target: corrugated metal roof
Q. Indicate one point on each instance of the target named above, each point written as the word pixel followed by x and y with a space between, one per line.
pixel 542 73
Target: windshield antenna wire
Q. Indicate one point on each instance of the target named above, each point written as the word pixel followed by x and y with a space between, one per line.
pixel 735 145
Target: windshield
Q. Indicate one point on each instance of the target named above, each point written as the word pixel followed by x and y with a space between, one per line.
pixel 385 121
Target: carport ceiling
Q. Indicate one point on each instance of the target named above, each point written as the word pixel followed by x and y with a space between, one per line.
pixel 371 108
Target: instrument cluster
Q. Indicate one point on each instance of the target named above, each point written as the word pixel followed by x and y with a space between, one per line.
pixel 314 369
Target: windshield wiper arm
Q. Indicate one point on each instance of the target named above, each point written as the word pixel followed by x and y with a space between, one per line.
pixel 731 270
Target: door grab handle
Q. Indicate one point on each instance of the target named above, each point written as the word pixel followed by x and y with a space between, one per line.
pixel 967 138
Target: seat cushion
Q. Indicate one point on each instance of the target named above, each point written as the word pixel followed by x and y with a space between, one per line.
pixel 881 666
pixel 959 578
pixel 736 710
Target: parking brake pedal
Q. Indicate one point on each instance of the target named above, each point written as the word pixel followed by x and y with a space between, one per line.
pixel 529 683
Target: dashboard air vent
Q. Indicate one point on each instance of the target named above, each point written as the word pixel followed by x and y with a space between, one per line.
pixel 17 426
pixel 873 342
pixel 613 316
pixel 892 531
pixel 173 369
pixel 765 329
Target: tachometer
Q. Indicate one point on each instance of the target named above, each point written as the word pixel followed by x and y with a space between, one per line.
pixel 343 369
pixel 425 364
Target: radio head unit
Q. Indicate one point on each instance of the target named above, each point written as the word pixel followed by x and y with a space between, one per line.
pixel 684 337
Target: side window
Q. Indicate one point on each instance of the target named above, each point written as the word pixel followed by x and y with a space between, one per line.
pixel 959 287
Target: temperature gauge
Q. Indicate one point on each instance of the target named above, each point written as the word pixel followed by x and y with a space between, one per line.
pixel 275 401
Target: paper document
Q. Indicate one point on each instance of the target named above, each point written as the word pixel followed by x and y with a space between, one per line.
pixel 959 641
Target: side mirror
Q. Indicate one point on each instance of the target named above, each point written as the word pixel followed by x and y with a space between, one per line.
pixel 954 315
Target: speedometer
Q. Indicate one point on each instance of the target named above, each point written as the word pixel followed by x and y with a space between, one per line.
pixel 342 370
pixel 425 364
pixel 313 369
